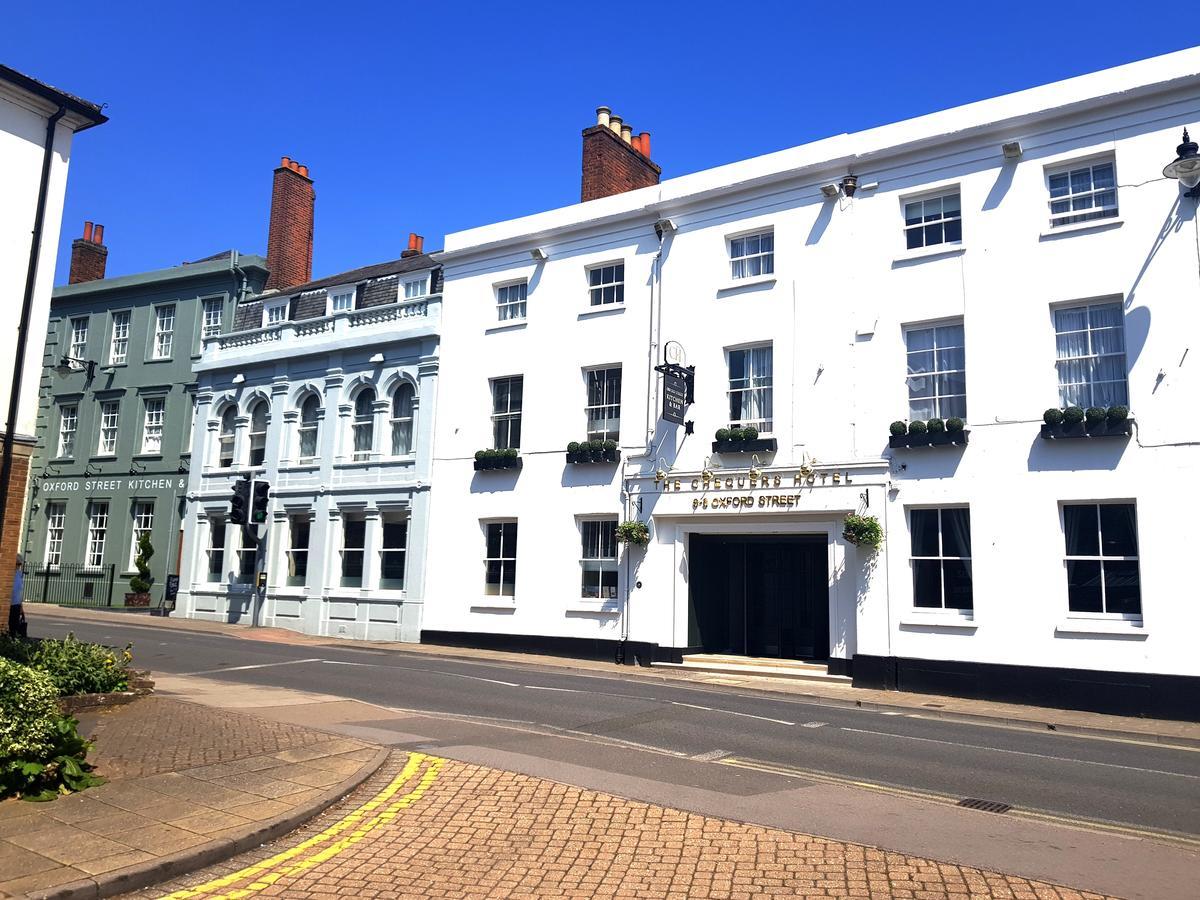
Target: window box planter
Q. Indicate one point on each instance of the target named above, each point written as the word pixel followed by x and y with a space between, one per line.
pixel 757 445
pixel 580 457
pixel 929 439
pixel 497 462
pixel 1103 428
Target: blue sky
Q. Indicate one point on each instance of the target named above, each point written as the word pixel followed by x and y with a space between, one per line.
pixel 437 117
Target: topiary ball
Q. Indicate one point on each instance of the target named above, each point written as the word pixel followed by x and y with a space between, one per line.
pixel 480 454
pixel 510 453
pixel 1073 415
pixel 722 434
pixel 610 446
pixel 954 425
pixel 573 447
pixel 1118 413
pixel 935 426
pixel 898 428
pixel 917 427
pixel 596 446
pixel 737 434
pixel 490 454
pixel 1094 415
pixel 751 433
pixel 1053 416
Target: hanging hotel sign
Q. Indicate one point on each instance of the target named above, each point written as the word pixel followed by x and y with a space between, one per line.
pixel 679 382
pixel 674 398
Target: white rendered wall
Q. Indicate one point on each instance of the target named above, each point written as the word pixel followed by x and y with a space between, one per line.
pixel 843 288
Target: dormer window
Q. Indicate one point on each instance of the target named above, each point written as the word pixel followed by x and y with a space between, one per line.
pixel 274 313
pixel 416 287
pixel 341 300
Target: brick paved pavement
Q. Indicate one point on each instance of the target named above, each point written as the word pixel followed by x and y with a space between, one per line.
pixel 479 832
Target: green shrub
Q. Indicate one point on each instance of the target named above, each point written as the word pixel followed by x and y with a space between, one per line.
pixel 59 767
pixel 1118 413
pixel 610 446
pixel 955 425
pixel 28 709
pixel 723 434
pixel 935 426
pixel 898 428
pixel 74 667
pixel 573 447
pixel 750 432
pixel 480 454
pixel 1052 416
pixel 863 531
pixel 633 532
pixel 1094 415
pixel 737 434
pixel 1073 415
pixel 917 427
pixel 140 583
pixel 509 453
pixel 490 454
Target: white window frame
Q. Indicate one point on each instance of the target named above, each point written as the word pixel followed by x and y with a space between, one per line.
pixel 164 331
pixel 257 440
pixel 1088 214
pixel 118 344
pixel 68 429
pixel 142 513
pixel 110 428
pixel 940 558
pixel 920 226
pixel 304 427
pixel 767 389
pixel 154 418
pixel 79 339
pixel 227 438
pixel 349 581
pixel 512 301
pixel 393 518
pixel 97 533
pixel 742 260
pixel 212 316
pixel 506 417
pixel 246 555
pixel 214 552
pixel 56 525
pixel 594 412
pixel 1103 558
pixel 1091 356
pixel 939 399
pixel 507 560
pixel 274 312
pixel 415 288
pixel 341 300
pixel 599 289
pixel 362 424
pixel 297 552
pixel 399 422
pixel 598 563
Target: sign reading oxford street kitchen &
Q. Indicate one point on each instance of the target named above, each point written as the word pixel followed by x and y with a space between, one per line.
pixel 105 483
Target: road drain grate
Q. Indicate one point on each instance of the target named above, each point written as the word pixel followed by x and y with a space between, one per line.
pixel 991 806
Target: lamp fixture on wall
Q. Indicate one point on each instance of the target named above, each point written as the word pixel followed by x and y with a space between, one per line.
pixel 69 364
pixel 849 184
pixel 1186 166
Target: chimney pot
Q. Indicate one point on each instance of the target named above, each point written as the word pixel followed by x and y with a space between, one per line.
pixel 98 235
pixel 416 245
pixel 303 170
pixel 627 134
pixel 602 114
pixel 614 124
pixel 645 144
pixel 285 162
pixel 87 231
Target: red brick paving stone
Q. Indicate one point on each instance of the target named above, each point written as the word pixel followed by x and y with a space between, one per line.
pixel 483 833
pixel 157 734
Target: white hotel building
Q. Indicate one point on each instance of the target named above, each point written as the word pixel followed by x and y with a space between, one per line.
pixel 983 263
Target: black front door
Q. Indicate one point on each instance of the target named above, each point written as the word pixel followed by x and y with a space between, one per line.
pixel 759 596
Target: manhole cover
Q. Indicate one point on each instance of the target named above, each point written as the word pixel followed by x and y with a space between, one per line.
pixel 991 806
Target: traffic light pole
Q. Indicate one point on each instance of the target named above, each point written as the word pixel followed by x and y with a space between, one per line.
pixel 248 508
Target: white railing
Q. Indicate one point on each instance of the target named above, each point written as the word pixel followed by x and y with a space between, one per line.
pixel 313 328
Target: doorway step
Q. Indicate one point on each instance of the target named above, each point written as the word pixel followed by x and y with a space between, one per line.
pixel 757 666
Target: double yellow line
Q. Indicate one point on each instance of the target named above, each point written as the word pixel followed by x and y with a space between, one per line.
pixel 377 811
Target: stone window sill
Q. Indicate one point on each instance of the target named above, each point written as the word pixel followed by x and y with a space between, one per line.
pixel 1102 625
pixel 742 283
pixel 510 325
pixel 937 251
pixel 938 619
pixel 1081 228
pixel 607 309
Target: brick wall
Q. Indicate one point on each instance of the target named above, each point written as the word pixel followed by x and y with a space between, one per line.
pixel 610 166
pixel 88 261
pixel 290 235
pixel 14 524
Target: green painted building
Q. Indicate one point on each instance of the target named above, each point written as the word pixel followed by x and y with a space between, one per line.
pixel 114 422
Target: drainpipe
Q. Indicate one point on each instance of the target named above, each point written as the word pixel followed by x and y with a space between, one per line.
pixel 35 251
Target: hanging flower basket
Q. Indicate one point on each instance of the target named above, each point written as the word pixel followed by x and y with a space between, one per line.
pixel 863 531
pixel 634 532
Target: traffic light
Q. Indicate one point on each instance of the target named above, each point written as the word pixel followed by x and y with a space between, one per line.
pixel 239 506
pixel 262 493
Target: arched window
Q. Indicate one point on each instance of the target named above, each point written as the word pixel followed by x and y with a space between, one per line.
pixel 225 450
pixel 258 433
pixel 402 420
pixel 364 424
pixel 308 426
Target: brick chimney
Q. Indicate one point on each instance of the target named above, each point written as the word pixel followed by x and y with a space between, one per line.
pixel 290 236
pixel 89 256
pixel 416 245
pixel 615 160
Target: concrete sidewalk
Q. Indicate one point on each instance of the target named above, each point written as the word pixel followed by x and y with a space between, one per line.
pixel 934 706
pixel 189 785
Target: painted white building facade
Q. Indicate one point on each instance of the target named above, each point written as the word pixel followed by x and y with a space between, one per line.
pixel 327 393
pixel 959 280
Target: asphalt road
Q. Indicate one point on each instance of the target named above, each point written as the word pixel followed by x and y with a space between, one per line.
pixel 1132 784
